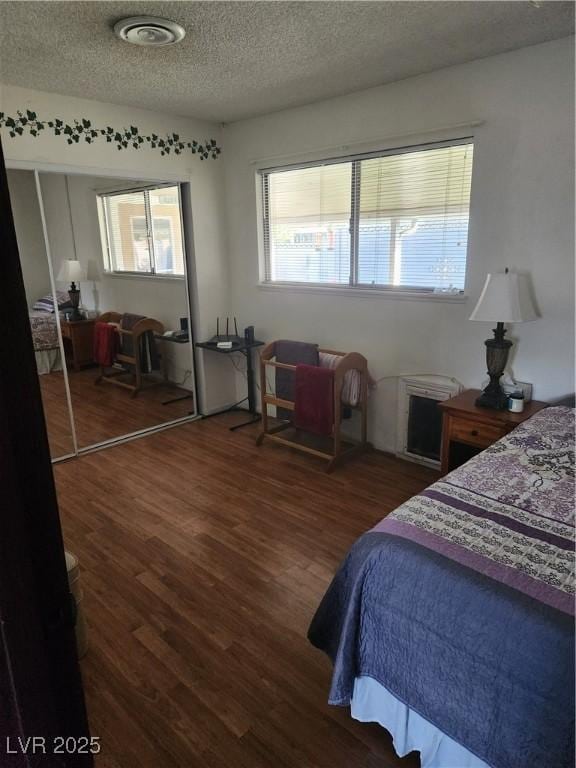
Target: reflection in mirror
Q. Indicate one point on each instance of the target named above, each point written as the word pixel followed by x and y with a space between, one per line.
pixel 41 310
pixel 117 249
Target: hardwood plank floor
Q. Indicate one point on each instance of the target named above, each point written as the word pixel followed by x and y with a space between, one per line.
pixel 203 559
pixel 104 411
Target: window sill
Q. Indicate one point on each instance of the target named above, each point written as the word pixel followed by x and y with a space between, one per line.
pixel 142 276
pixel 364 293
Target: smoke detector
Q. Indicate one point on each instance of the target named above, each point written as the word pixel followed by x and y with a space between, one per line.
pixel 149 30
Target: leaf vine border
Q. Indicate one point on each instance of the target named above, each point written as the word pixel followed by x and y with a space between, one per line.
pixel 83 130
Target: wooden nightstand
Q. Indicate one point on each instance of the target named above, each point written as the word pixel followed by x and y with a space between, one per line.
pixel 467 429
pixel 78 337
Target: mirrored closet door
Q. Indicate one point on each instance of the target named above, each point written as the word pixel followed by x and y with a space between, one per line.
pixel 111 275
pixel 42 310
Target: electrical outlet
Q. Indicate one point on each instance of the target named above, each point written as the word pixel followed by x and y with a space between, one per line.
pixel 526 389
pixel 519 386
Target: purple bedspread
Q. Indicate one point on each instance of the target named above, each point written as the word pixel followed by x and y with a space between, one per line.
pixel 508 513
pixel 460 601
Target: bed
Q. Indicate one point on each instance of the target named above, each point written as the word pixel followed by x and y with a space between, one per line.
pixel 45 332
pixel 451 621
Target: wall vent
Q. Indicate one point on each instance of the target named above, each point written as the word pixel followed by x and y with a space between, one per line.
pixel 419 418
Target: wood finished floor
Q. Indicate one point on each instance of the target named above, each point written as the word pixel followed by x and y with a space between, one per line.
pixel 203 559
pixel 103 411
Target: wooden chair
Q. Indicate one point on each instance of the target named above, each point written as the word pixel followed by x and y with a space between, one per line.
pixel 140 327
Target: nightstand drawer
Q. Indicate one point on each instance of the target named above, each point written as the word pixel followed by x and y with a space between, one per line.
pixel 475 433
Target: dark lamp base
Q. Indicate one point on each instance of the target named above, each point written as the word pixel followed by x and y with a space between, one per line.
pixel 496 357
pixel 496 400
pixel 74 295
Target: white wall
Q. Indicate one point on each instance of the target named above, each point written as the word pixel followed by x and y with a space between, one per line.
pixel 28 225
pixel 521 217
pixel 206 178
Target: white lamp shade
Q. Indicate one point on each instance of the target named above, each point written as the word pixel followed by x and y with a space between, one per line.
pixel 505 298
pixel 71 271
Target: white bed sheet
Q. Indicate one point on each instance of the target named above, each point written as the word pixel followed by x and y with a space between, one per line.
pixel 48 361
pixel 373 703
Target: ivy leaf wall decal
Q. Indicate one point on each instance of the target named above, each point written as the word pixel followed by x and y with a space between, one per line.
pixel 125 138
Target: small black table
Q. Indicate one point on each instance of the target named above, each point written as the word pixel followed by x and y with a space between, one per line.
pixel 238 345
pixel 179 338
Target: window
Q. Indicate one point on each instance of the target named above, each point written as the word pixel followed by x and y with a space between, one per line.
pixel 397 220
pixel 141 232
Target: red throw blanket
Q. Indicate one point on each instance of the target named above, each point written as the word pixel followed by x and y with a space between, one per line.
pixel 314 399
pixel 105 343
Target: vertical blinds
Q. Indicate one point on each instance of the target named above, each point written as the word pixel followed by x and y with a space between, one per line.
pixel 127 231
pixel 399 220
pixel 144 232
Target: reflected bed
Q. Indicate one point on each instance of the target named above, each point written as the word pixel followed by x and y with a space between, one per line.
pixel 45 340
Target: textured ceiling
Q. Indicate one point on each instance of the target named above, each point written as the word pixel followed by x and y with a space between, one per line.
pixel 240 59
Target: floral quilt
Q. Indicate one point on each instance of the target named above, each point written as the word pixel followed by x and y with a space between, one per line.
pixel 44 331
pixel 508 513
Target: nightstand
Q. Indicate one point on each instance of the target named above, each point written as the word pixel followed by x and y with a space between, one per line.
pixel 467 429
pixel 78 338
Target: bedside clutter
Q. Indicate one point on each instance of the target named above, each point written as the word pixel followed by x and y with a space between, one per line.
pixel 468 429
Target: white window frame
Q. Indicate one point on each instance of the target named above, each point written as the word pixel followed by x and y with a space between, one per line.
pixel 109 266
pixel 353 288
pixel 172 240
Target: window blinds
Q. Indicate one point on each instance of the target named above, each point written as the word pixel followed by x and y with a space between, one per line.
pixel 127 232
pixel 398 220
pixel 413 222
pixel 309 224
pixel 144 232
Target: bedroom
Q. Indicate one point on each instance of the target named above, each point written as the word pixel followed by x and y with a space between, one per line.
pixel 203 558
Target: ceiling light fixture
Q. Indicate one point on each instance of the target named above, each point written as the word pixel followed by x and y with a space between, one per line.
pixel 149 30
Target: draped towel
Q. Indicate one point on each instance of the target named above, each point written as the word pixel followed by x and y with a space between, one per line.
pixel 292 353
pixel 314 400
pixel 105 343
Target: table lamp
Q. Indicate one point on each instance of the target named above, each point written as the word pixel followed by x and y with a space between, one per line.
pixel 73 271
pixel 505 298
